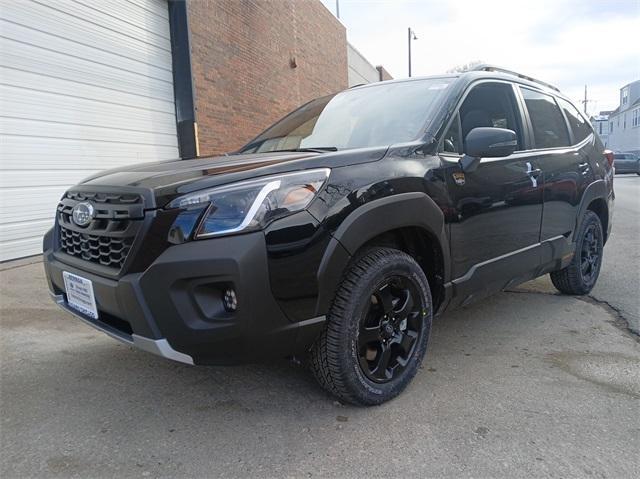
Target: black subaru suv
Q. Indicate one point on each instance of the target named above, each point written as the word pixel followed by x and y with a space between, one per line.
pixel 342 230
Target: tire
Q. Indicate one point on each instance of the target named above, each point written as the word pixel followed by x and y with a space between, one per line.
pixel 580 276
pixel 363 356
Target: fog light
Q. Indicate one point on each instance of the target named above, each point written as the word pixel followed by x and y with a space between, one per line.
pixel 229 300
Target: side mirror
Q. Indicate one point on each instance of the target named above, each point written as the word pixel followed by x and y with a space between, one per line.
pixel 485 142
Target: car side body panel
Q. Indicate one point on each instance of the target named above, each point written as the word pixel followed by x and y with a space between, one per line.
pixel 308 253
pixel 372 220
pixel 597 190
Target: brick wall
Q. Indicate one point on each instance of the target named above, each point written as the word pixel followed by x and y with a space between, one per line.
pixel 243 55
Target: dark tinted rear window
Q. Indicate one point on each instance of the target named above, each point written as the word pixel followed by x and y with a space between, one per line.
pixel 549 127
pixel 579 126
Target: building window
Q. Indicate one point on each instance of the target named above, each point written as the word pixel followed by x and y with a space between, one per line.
pixel 610 127
pixel 624 121
pixel 600 127
pixel 635 120
pixel 625 96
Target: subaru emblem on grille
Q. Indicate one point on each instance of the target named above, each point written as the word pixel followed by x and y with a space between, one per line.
pixel 82 213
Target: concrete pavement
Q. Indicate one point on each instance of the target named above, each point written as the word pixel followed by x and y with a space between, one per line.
pixel 618 286
pixel 526 383
pixel 619 282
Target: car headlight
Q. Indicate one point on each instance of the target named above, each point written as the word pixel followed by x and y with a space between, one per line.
pixel 250 205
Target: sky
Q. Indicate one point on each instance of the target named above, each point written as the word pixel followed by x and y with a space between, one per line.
pixel 568 43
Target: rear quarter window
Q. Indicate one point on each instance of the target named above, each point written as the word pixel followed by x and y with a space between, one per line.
pixel 579 126
pixel 549 126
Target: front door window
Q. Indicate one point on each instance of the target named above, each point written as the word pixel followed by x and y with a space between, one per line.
pixel 487 105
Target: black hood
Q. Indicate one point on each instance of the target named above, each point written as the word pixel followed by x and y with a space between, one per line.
pixel 168 179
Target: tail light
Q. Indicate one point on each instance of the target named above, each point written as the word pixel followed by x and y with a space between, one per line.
pixel 608 154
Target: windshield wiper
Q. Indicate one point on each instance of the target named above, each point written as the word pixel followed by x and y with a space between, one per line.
pixel 315 149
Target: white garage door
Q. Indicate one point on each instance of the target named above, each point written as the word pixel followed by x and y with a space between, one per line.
pixel 85 85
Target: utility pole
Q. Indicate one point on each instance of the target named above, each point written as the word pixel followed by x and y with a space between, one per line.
pixel 586 101
pixel 411 36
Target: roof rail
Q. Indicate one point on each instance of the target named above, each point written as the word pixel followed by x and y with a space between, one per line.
pixel 492 68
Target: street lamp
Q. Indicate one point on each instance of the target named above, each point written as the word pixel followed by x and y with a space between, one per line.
pixel 411 36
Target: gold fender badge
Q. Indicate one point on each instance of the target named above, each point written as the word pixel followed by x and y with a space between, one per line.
pixel 458 177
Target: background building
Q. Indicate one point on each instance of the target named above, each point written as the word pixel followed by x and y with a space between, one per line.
pixel 92 85
pixel 624 121
pixel 361 71
pixel 600 123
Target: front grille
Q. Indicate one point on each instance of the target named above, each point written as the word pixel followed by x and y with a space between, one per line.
pixel 105 250
pixel 108 238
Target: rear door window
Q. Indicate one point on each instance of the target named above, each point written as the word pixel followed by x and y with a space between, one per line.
pixel 549 127
pixel 579 126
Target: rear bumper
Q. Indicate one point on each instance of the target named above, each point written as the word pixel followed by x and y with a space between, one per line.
pixel 174 308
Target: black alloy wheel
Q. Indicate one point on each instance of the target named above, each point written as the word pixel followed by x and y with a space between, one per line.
pixel 389 329
pixel 377 328
pixel 590 253
pixel 580 276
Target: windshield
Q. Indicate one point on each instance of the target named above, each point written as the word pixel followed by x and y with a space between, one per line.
pixel 379 115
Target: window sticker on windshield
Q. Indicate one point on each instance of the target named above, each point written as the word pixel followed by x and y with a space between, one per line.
pixel 438 86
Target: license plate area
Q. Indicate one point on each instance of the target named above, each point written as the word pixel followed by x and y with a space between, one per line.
pixel 80 294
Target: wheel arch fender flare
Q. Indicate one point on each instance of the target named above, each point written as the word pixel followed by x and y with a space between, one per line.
pixel 596 190
pixel 415 209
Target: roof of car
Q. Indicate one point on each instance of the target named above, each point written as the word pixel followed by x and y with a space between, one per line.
pixel 480 72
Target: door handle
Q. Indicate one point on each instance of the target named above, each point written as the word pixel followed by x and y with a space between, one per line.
pixel 584 167
pixel 534 173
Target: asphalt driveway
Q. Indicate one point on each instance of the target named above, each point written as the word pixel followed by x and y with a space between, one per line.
pixel 527 383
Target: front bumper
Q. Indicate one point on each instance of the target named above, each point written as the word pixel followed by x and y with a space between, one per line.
pixel 174 307
pixel 160 347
